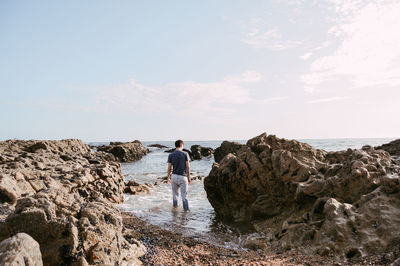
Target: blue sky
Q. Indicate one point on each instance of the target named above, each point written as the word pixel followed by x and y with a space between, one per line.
pixel 199 70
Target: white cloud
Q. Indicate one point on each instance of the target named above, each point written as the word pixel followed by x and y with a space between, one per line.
pixel 259 35
pixel 269 100
pixel 188 97
pixel 368 54
pixel 330 99
pixel 306 56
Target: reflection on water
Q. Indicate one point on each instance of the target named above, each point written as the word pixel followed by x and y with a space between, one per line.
pixel 200 222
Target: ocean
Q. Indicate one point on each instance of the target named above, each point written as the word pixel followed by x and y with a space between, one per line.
pixel 200 222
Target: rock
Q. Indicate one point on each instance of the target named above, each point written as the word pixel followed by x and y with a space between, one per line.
pixel 393 147
pixel 37 146
pixel 50 193
pixel 11 188
pixel 255 243
pixel 310 199
pixel 199 152
pixel 226 148
pixel 125 152
pixel 185 150
pixel 160 146
pixel 134 188
pixel 102 245
pixel 20 249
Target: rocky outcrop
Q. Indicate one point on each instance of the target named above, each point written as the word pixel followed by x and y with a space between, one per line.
pixel 393 147
pixel 226 148
pixel 199 152
pixel 20 249
pixel 61 194
pixel 160 146
pixel 185 150
pixel 125 152
pixel 343 203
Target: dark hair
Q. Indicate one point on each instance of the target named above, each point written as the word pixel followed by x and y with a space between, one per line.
pixel 178 143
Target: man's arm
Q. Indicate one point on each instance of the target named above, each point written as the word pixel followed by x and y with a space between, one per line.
pixel 169 173
pixel 188 171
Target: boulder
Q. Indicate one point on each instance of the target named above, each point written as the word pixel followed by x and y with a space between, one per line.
pixel 51 189
pixel 160 146
pixel 20 249
pixel 226 148
pixel 125 152
pixel 134 188
pixel 344 203
pixel 199 152
pixel 392 147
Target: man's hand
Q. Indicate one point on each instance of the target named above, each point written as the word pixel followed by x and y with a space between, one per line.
pixel 169 171
pixel 188 171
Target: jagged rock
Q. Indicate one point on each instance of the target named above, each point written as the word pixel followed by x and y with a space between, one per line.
pixel 20 249
pixel 103 240
pixel 185 150
pixel 160 146
pixel 344 203
pixel 53 190
pixel 125 152
pixel 226 148
pixel 199 152
pixel 392 147
pixel 134 188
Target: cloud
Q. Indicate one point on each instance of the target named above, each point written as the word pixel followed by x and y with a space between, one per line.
pixel 368 53
pixel 331 99
pixel 258 35
pixel 190 97
pixel 269 100
pixel 305 56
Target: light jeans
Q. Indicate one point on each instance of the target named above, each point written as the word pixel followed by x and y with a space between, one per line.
pixel 179 181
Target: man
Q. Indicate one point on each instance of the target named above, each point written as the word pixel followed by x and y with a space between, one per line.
pixel 178 164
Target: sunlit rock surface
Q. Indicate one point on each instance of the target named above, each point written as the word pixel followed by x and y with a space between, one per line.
pixel 344 203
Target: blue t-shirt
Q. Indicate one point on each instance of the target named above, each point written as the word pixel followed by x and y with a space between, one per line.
pixel 178 160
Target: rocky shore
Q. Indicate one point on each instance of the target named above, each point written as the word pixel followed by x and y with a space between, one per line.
pixel 344 204
pixel 314 207
pixel 171 248
pixel 61 194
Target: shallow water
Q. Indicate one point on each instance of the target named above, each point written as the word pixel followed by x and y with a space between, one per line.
pixel 200 221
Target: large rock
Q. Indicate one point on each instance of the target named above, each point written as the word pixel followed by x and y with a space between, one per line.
pixel 345 203
pixel 125 152
pixel 226 148
pixel 198 152
pixel 20 249
pixel 60 193
pixel 392 147
pixel 159 146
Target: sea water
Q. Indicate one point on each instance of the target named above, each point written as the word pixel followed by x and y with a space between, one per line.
pixel 200 222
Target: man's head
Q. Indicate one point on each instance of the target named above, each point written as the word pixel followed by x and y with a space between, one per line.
pixel 179 144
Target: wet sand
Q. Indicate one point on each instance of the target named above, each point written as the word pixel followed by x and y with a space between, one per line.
pixel 169 248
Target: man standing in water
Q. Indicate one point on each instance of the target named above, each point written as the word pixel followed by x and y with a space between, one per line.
pixel 178 164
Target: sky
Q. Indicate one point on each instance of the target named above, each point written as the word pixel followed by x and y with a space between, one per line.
pixel 199 70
